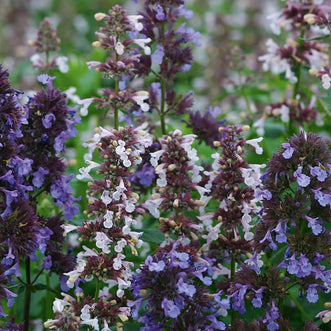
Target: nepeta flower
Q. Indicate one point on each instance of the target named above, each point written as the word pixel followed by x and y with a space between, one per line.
pixel 47 42
pixel 170 291
pixel 296 215
pixel 205 126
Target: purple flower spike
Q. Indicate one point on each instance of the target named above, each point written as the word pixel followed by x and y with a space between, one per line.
pixel 288 153
pixel 170 309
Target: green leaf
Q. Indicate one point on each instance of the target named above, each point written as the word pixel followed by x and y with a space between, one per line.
pixel 153 235
pixel 41 287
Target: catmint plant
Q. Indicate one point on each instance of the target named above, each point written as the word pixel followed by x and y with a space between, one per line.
pixel 33 171
pixel 118 38
pixel 292 231
pixel 170 55
pixel 111 212
pixel 304 51
pixel 47 42
pixel 172 290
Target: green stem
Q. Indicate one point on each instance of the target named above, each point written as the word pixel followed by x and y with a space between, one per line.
pixel 297 84
pixel 116 110
pixel 97 290
pixel 27 298
pixel 162 108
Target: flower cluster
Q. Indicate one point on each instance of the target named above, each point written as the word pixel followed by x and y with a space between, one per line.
pixel 119 38
pixel 32 137
pixel 111 212
pixel 235 185
pixel 177 183
pixel 303 50
pixel 49 122
pixel 172 290
pixel 296 208
pixel 47 42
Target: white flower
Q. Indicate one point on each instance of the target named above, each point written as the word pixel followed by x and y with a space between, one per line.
pixel 134 21
pixel 139 98
pixel 259 124
pixel 105 198
pixel 108 217
pixel 254 143
pixel 59 304
pixel 155 157
pixel 93 323
pixel 36 59
pixel 84 172
pixel 142 43
pixel 61 63
pixel 120 245
pixel 68 228
pixel 118 261
pixel 85 103
pixel 284 113
pixel 153 206
pixel 70 93
pixel 119 48
pixel 85 312
pixel 102 241
pixel 120 189
pixel 326 81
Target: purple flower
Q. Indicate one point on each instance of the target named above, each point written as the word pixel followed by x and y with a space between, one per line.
pixel 42 238
pixel 47 262
pixel 181 259
pixel 170 309
pixel 287 154
pixel 160 15
pixel 302 179
pixel 314 225
pixel 253 263
pixel 182 11
pixel 157 56
pixel 44 79
pixel 323 199
pixel 312 295
pixel 238 298
pixel 271 317
pixel 293 265
pixel 154 266
pixel 59 142
pixel 188 34
pixel 268 237
pixel 47 120
pixel 187 289
pixel 257 300
pixel 23 166
pixel 281 233
pixel 38 177
pixel 321 174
